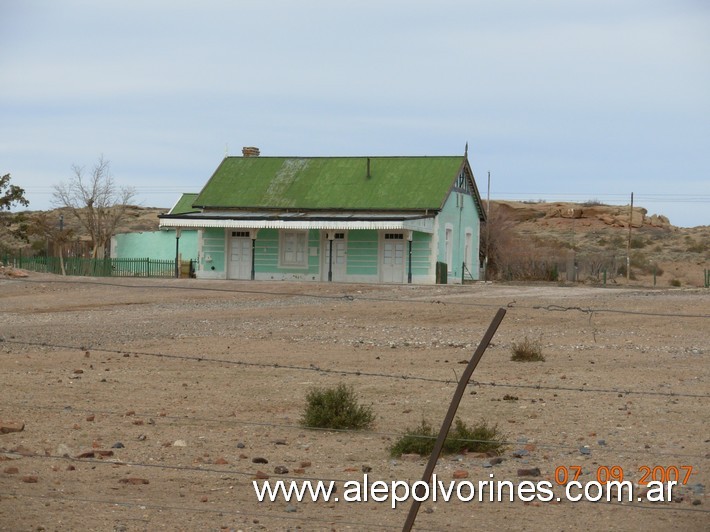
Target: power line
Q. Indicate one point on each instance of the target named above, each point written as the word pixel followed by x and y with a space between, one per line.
pixel 357 373
pixel 349 297
pixel 149 506
pixel 182 420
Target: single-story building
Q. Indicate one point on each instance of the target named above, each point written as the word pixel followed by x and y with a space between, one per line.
pixel 159 245
pixel 346 219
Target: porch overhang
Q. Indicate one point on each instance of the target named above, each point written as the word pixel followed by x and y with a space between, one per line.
pixel 338 221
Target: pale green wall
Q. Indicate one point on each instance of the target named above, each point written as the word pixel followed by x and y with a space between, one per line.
pixel 422 264
pixel 159 245
pixel 362 252
pixel 212 258
pixel 461 217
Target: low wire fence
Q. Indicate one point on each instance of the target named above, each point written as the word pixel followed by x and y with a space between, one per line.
pixel 107 267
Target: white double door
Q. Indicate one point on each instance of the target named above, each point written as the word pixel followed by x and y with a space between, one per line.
pixel 393 253
pixel 240 257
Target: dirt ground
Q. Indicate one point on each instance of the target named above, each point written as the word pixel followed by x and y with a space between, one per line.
pixel 144 402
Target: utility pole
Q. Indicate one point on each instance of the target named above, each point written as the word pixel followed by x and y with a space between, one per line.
pixel 488 228
pixel 628 242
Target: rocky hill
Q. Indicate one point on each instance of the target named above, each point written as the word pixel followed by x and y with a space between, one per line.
pixel 679 256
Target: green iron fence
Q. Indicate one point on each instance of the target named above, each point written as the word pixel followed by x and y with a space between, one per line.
pixel 96 267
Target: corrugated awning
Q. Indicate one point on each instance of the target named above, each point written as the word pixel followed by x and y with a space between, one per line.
pixel 302 221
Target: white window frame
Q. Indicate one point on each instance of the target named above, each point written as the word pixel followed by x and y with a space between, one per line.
pixel 293 249
pixel 449 246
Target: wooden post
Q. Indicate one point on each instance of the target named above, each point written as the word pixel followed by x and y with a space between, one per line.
pixel 177 253
pixel 628 242
pixel 455 400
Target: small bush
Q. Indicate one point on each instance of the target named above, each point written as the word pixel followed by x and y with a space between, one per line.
pixel 674 282
pixel 420 440
pixel 594 202
pixel 527 351
pixel 336 408
pixel 637 243
pixel 621 270
pixel 698 247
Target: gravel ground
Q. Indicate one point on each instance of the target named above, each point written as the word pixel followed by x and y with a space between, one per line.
pixel 145 402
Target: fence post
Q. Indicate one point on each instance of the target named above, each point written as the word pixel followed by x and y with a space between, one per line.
pixel 654 274
pixel 448 419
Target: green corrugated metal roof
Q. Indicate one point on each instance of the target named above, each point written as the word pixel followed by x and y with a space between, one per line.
pixel 394 183
pixel 184 204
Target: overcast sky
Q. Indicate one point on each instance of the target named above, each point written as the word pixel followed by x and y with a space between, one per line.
pixel 558 99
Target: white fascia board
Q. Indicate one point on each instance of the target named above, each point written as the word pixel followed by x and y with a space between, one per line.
pixel 424 225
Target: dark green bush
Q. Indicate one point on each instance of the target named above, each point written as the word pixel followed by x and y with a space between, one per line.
pixel 336 408
pixel 420 440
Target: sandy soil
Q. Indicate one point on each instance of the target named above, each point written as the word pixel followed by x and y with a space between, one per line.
pixel 195 379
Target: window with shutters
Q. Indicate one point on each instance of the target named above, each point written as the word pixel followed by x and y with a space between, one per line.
pixel 294 249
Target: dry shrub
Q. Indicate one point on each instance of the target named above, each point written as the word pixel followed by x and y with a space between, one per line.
pixel 512 257
pixel 527 351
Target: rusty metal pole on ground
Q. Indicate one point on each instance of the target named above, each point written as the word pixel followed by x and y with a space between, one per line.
pixel 455 400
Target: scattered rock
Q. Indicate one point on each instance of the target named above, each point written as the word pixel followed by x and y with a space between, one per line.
pixel 305 463
pixel 11 426
pixel 180 443
pixel 531 472
pixel 240 445
pixel 281 470
pixel 259 460
pixel 117 445
pixel 134 481
pixel 366 469
pixel 221 461
pixel 291 509
pixel 94 453
pixel 23 451
pixel 280 442
pixel 90 417
pixel 460 473
pixel 30 479
pixel 63 450
pixel 12 470
pixel 520 453
pixel 261 475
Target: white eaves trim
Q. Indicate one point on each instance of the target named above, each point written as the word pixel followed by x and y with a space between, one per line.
pixel 424 225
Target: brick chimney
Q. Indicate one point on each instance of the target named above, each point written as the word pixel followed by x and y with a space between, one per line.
pixel 250 151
